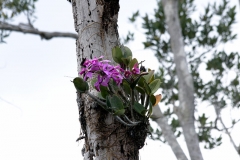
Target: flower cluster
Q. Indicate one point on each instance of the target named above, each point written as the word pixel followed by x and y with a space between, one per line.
pixel 128 90
pixel 105 72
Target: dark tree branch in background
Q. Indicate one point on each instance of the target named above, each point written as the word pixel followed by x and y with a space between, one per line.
pixel 25 28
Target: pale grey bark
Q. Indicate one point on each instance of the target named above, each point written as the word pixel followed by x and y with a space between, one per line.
pixel 96 24
pixel 25 28
pixel 185 82
pixel 239 3
pixel 168 134
pixel 218 113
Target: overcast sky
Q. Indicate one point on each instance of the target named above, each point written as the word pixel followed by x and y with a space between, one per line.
pixel 38 110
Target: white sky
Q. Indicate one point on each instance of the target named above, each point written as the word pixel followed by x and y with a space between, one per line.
pixel 38 110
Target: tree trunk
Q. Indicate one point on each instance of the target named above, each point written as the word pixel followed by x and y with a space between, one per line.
pixel 185 82
pixel 105 138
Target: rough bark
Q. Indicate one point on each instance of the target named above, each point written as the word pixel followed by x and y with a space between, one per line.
pixel 105 138
pixel 25 28
pixel 185 82
pixel 168 134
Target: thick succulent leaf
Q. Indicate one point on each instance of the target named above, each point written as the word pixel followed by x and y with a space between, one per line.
pixel 147 88
pixel 127 52
pixel 93 81
pixel 116 103
pixel 126 61
pixel 119 112
pixel 117 54
pixel 131 64
pixel 140 89
pixel 153 99
pixel 140 82
pixel 104 91
pixel 149 76
pixel 80 85
pixel 108 102
pixel 135 82
pixel 139 108
pixel 142 98
pixel 113 85
pixel 149 110
pixel 126 87
pixel 154 85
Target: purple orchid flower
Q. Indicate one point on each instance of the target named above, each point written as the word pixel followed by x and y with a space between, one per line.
pixel 103 69
pixel 127 74
pixel 135 69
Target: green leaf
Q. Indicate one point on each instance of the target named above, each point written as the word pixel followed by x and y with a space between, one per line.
pixel 135 82
pixel 126 87
pixel 127 52
pixel 149 110
pixel 140 82
pixel 131 64
pixel 154 85
pixel 108 102
pixel 149 76
pixel 139 108
pixel 119 112
pixel 142 97
pixel 152 99
pixel 80 85
pixel 116 103
pixel 142 92
pixel 126 61
pixel 134 16
pixel 104 91
pixel 113 85
pixel 117 54
pixel 100 96
pixel 147 88
pixel 140 89
pixel 93 81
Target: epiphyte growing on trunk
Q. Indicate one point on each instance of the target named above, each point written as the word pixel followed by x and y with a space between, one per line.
pixel 123 90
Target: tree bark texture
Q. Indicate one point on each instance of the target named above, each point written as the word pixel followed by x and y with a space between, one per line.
pixel 105 138
pixel 185 82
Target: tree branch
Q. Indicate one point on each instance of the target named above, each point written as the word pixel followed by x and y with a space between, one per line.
pixel 185 81
pixel 168 134
pixel 218 113
pixel 25 28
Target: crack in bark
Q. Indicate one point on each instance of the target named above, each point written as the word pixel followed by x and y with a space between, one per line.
pixel 109 13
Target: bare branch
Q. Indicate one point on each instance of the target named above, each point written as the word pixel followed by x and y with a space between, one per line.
pixel 218 113
pixel 168 134
pixel 25 28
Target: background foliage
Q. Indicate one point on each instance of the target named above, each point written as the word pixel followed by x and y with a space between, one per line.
pixel 10 9
pixel 203 38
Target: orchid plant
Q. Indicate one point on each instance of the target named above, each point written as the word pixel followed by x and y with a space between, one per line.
pixel 124 89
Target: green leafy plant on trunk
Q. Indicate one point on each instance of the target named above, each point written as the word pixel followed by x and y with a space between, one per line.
pixel 125 90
